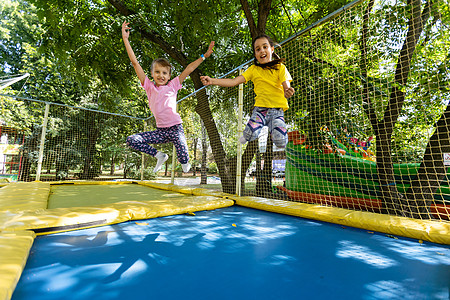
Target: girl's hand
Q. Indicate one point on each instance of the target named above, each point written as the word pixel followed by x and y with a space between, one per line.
pixel 210 50
pixel 206 80
pixel 289 92
pixel 125 30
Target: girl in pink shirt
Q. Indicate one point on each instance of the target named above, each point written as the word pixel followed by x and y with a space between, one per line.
pixel 162 99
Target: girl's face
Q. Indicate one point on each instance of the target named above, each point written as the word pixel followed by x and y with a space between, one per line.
pixel 160 74
pixel 263 50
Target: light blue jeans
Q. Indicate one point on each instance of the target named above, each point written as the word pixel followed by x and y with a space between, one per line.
pixel 273 118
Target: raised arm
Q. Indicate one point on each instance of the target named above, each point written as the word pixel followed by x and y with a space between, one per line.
pixel 224 82
pixel 193 65
pixel 137 67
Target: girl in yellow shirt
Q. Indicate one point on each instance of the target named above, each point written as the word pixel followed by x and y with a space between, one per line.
pixel 272 87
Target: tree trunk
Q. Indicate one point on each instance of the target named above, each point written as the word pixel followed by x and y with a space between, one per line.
pixel 194 167
pixel 385 172
pixel 203 169
pixel 204 111
pixel 247 158
pixel 89 170
pixel 259 27
pixel 432 169
pixel 25 172
pixel 30 146
pixel 126 168
pixel 112 166
pixel 384 128
pixel 264 182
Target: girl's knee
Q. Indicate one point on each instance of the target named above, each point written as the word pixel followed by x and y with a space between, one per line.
pixel 134 139
pixel 250 135
pixel 280 143
pixel 280 137
pixel 130 139
pixel 252 131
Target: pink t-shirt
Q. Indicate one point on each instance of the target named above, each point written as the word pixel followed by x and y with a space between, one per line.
pixel 163 101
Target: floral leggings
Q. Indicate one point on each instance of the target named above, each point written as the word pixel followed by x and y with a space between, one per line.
pixel 174 134
pixel 270 117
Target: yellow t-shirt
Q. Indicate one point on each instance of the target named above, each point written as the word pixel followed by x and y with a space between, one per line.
pixel 267 85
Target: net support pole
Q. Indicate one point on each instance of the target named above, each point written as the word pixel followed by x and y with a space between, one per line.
pixel 240 131
pixel 41 146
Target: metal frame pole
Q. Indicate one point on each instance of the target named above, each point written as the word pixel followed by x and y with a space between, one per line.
pixel 41 146
pixel 240 131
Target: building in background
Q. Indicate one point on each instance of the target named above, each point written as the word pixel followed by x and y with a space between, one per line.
pixel 10 159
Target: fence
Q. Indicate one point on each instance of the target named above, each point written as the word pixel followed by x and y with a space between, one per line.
pixel 64 142
pixel 367 125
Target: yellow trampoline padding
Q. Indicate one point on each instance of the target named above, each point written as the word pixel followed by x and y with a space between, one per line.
pixel 86 182
pixel 427 230
pixel 185 190
pixel 168 187
pixel 24 196
pixel 14 250
pixel 157 185
pixel 63 219
pixel 27 202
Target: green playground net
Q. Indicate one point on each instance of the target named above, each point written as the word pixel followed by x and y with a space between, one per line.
pixel 367 124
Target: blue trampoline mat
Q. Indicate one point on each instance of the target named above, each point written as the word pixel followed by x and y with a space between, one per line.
pixel 232 253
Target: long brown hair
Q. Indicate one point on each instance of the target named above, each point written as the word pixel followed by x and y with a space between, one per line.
pixel 274 64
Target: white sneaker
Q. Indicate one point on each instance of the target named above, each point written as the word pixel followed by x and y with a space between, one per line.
pixel 161 157
pixel 242 140
pixel 186 167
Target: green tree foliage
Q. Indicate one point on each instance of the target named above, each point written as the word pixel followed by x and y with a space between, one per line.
pixel 76 56
pixel 386 76
pixel 81 46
